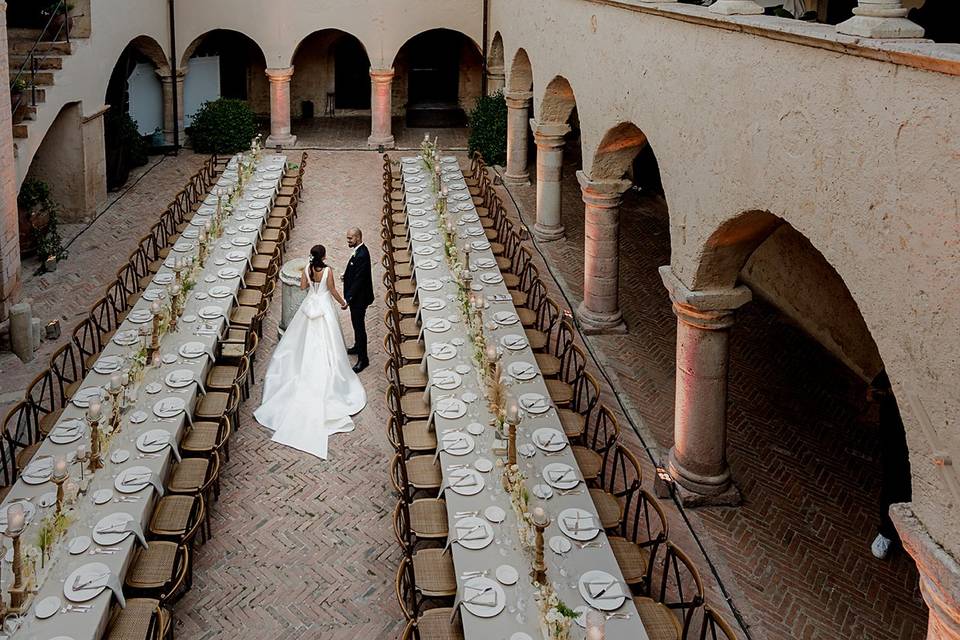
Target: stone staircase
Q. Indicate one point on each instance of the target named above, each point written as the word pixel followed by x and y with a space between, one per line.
pixel 49 58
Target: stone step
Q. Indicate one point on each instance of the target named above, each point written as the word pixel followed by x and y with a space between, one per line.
pixel 26 112
pixel 40 78
pixel 20 131
pixel 23 33
pixel 44 61
pixel 26 46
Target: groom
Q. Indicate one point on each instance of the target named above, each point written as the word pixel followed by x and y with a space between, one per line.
pixel 358 293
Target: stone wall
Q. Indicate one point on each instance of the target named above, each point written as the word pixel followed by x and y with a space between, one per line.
pixel 854 143
pixel 9 223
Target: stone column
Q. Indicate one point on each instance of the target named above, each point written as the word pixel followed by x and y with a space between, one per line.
pixel 735 7
pixel 698 460
pixel 280 108
pixel 381 108
pixel 518 119
pixel 9 217
pixel 496 80
pixel 549 139
pixel 880 19
pixel 939 573
pixel 600 310
pixel 166 83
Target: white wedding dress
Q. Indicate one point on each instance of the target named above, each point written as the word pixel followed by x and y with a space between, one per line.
pixel 310 390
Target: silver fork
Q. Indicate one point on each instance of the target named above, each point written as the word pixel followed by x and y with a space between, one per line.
pixel 593 544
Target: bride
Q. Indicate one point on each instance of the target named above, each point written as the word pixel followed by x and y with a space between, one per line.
pixel 310 390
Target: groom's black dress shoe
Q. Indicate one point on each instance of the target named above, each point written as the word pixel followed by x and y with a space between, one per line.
pixel 352 351
pixel 360 366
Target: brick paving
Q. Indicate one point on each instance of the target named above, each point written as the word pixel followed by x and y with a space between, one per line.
pixel 796 554
pixel 304 549
pixel 350 132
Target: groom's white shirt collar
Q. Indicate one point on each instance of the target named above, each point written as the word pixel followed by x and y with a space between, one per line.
pixel 354 252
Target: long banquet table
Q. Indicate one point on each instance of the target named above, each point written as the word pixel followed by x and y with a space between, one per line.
pixel 520 614
pixel 213 296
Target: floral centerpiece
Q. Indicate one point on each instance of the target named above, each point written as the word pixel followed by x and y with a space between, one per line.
pixel 556 618
pixel 513 482
pixel 52 529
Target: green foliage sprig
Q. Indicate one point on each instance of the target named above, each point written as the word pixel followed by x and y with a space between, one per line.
pixel 488 128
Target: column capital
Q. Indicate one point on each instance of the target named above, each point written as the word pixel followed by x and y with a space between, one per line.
pixel 709 309
pixel 495 70
pixel 549 134
pixel 939 572
pixel 280 75
pixel 604 194
pixel 166 76
pixel 381 76
pixel 518 99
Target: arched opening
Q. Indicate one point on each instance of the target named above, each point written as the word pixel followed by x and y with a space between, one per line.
pixel 224 64
pixel 814 458
pixel 135 95
pixel 438 76
pixel 331 77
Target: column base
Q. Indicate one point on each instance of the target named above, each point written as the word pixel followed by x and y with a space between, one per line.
pixel 283 141
pixel 695 490
pixel 735 8
pixel 549 234
pixel 594 323
pixel 516 181
pixel 880 28
pixel 939 573
pixel 375 142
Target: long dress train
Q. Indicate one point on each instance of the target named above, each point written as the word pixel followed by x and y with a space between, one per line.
pixel 310 391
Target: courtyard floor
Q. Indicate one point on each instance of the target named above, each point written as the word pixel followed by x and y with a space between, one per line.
pixel 304 549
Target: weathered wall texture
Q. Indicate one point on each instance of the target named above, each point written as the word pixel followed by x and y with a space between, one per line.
pixel 861 156
pixel 313 73
pixel 60 163
pixel 9 222
pixel 787 271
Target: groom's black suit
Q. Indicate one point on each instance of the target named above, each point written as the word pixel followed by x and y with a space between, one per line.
pixel 358 292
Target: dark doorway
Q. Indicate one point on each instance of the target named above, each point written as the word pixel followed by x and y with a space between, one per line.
pixel 433 80
pixel 237 53
pixel 351 74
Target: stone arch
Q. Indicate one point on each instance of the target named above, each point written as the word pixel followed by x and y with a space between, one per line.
pixel 558 101
pixel 199 40
pixel 728 248
pixel 618 148
pixel 521 72
pixel 330 61
pixel 151 50
pixel 495 55
pixel 436 30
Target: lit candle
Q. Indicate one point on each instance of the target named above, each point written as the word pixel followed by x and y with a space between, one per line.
pixel 60 467
pixel 115 382
pixel 93 410
pixel 595 625
pixel 125 379
pixel 82 452
pixel 513 412
pixel 155 307
pixel 539 515
pixel 16 519
pixel 491 352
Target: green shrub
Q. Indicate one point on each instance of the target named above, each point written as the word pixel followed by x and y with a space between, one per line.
pixel 125 148
pixel 222 126
pixel 34 198
pixel 488 128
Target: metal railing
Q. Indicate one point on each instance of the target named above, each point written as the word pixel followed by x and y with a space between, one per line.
pixel 32 62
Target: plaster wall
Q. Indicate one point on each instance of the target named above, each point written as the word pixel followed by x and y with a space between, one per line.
pixel 60 163
pixel 860 155
pixel 787 271
pixel 9 222
pixel 94 163
pixel 313 73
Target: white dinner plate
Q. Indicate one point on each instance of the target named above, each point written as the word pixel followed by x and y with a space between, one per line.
pixel 241 241
pixel 594 583
pixel 543 491
pixel 483 597
pixel 549 439
pixel 534 403
pixel 154 387
pixel 67 431
pixel 466 482
pixel 559 544
pixel 522 370
pixel 228 273
pixel 578 524
pixel 133 479
pixel 126 338
pixel 483 465
pixel 169 407
pixel 47 607
pixel 167 358
pixel 138 416
pixel 421 236
pixel 505 318
pixel 192 349
pixel 416 199
pixel 210 313
pixel 437 325
pixel 485 263
pixel 79 544
pixel 83 396
pixel 427 264
pixel 461 196
pixel 475 428
pixel 451 408
pixel 119 456
pixel 470 218
pixel 506 574
pixel 235 256
pixel 432 304
pixel 513 342
pixel 419 224
pixel 443 351
pixel 446 379
pixel 183 247
pixel 424 251
pixel 163 278
pixel 457 444
pixel 153 441
pixel 179 379
pixel 473 533
pixel 220 291
pixel 560 476
pixel 86 582
pixel 140 316
pixel 480 245
pixel 108 364
pixel 491 278
pixel 152 294
pixel 430 285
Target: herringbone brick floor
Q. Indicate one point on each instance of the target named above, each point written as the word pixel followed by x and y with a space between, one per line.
pixel 802 448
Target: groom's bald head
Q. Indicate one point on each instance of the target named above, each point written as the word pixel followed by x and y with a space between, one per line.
pixel 354 237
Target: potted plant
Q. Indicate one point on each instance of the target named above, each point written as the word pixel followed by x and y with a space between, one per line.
pixel 18 92
pixel 38 221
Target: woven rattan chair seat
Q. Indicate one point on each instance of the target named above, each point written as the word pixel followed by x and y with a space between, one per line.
pixel 435 624
pixel 418 436
pixel 49 421
pixel 171 517
pixel 201 438
pixel 255 280
pixel 537 339
pixel 428 519
pixel 409 328
pixel 133 621
pixel 423 472
pixel 412 350
pixel 608 508
pixel 411 376
pixel 189 475
pixel 436 576
pixel 405 287
pixel 242 316
pixel 632 558
pixel 413 406
pixel 407 306
pixel 401 256
pixel 152 567
pixel 572 422
pixel 548 363
pixel 658 621
pixel 511 280
pixel 250 297
pixel 259 263
pixel 560 391
pixel 588 460
pixel 221 377
pixel 212 406
pixel 25 455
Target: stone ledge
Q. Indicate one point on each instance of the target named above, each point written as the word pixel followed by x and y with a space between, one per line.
pixel 918 53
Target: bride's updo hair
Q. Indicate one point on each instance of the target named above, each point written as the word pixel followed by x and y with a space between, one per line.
pixel 317 255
